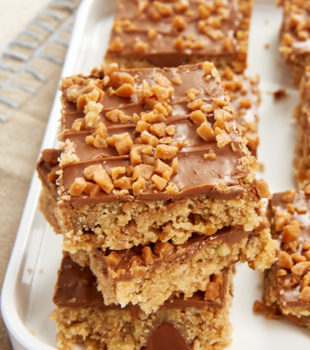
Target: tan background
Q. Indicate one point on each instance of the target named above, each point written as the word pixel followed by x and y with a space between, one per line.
pixel 21 133
pixel 14 15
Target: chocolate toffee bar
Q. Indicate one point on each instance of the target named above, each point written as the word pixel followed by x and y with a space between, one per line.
pixel 287 283
pixel 245 98
pixel 302 150
pixel 131 276
pixel 295 44
pixel 199 322
pixel 146 156
pixel 150 33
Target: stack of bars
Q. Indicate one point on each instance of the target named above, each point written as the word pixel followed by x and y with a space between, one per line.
pixel 153 186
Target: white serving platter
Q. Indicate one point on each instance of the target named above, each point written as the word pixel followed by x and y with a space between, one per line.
pixel 29 283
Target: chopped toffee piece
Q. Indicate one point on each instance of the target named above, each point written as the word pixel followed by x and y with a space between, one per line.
pixel 279 94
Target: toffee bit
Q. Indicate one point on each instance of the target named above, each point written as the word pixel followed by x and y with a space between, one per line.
pixel 279 94
pixel 258 306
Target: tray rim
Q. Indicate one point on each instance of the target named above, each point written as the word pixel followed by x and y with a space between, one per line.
pixel 19 335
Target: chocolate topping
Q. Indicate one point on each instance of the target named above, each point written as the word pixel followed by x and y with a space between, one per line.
pixel 47 167
pixel 76 287
pixel 209 162
pixel 166 337
pixel 194 176
pixel 289 285
pixel 194 31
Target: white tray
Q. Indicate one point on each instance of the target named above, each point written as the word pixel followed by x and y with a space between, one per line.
pixel 31 274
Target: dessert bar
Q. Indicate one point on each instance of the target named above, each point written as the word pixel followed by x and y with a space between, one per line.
pixel 287 283
pixel 295 45
pixel 302 150
pixel 150 33
pixel 245 98
pixel 146 157
pixel 131 276
pixel 199 322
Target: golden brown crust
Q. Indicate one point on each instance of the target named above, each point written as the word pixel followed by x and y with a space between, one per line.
pixel 47 205
pixel 97 226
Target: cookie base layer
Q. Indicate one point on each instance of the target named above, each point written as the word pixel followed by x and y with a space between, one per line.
pixel 139 223
pixel 119 329
pixel 298 70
